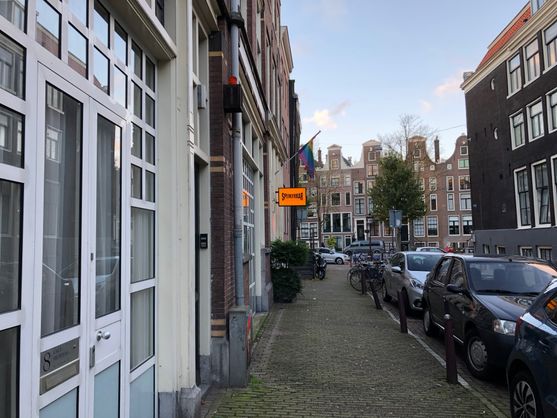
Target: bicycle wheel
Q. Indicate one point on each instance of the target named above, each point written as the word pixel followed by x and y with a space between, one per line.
pixel 356 280
pixel 377 284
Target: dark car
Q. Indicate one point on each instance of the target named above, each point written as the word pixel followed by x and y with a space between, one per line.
pixel 532 365
pixel 485 296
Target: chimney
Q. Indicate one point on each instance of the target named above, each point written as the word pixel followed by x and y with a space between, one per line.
pixel 436 144
pixel 319 156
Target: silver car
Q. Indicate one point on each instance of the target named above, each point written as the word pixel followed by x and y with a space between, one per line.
pixel 331 256
pixel 406 272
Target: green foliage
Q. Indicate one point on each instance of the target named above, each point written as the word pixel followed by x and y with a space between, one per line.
pixel 288 253
pixel 286 284
pixel 331 242
pixel 397 187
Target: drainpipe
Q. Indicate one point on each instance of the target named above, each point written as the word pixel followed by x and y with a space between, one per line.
pixel 236 20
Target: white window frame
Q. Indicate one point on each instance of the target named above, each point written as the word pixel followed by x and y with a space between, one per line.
pixel 468 197
pixel 371 156
pixel 553 183
pixel 449 188
pixel 524 249
pixel 552 121
pixel 537 222
pixel 449 207
pixel 419 222
pixel 449 225
pixel 436 224
pixel 546 47
pixel 347 181
pixel 463 163
pixel 433 198
pixel 339 200
pixel 511 73
pixel 522 130
pixel 519 223
pixel 334 164
pixel 462 219
pixel 542 124
pixel 544 247
pixel 464 150
pixel 460 189
pixel 528 58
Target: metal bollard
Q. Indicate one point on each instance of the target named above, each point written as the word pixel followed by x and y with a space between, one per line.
pixel 402 311
pixel 376 298
pixel 450 354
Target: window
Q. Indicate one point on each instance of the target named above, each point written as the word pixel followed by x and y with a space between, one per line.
pixel 432 226
pixel 522 197
pixel 326 223
pixel 77 51
pixel 419 227
pixel 417 153
pixel 323 199
pixel 347 201
pixel 552 110
pixel 335 199
pixel 463 163
pixel 347 181
pixel 450 184
pixel 372 170
pixel 337 225
pixel 371 156
pixel 536 4
pixel 517 130
pixel 550 39
pixel 465 201
pixel 532 55
pixel 48 27
pixel 450 201
pixel 334 164
pixel 546 253
pixel 12 66
pixel 526 251
pixel 433 202
pixel 374 228
pixel 449 166
pixel 369 205
pixel 358 187
pixel 359 203
pixel 486 249
pixel 454 225
pixel 499 249
pixel 346 222
pixel 142 334
pixel 535 121
pixel 513 66
pixel 541 196
pixel 11 137
pixel 466 224
pixel 335 181
pixel 323 181
pixel 9 378
pixel 432 184
pixel 464 150
pixel 422 184
pixel 464 182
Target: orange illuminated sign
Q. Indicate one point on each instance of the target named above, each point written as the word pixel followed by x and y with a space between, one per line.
pixel 245 199
pixel 292 196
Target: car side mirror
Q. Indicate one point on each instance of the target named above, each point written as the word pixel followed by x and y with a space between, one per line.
pixel 396 269
pixel 453 288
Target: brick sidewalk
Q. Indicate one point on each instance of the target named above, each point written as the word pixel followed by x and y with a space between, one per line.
pixel 332 354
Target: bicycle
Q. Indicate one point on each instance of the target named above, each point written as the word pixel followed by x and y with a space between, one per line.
pixel 371 272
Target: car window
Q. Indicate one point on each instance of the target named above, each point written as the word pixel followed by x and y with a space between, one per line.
pixel 323 250
pixel 443 270
pixel 457 274
pixel 422 262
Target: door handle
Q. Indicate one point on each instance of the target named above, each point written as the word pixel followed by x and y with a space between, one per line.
pixel 104 335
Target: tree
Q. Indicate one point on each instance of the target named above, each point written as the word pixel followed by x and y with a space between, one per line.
pixel 410 125
pixel 397 187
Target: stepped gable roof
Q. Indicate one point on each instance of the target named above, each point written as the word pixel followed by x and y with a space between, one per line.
pixel 507 34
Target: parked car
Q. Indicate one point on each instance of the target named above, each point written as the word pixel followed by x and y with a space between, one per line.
pixel 430 249
pixel 331 256
pixel 485 296
pixel 406 272
pixel 532 364
pixel 357 247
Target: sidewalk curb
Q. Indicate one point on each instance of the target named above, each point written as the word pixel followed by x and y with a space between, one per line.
pixel 496 411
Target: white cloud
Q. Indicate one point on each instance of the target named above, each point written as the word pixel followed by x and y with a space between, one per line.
pixel 450 86
pixel 426 106
pixel 324 118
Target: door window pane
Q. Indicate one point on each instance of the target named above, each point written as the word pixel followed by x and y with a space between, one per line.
pixel 79 9
pixel 149 111
pixel 142 331
pixel 64 407
pixel 136 92
pixel 11 215
pixel 12 66
pixel 136 141
pixel 62 213
pixel 9 372
pixel 107 391
pixel 120 43
pixel 100 71
pixel 136 60
pixel 149 148
pixel 149 186
pixel 142 396
pixel 143 244
pixel 48 27
pixel 100 23
pixel 77 51
pixel 120 87
pixel 136 182
pixel 150 74
pixel 11 137
pixel 108 217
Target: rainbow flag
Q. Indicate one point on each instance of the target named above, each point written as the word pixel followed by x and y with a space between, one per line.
pixel 306 157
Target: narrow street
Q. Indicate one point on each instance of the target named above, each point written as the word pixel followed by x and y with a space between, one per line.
pixel 331 353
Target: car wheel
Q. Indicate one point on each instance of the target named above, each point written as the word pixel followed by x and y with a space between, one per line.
pixel 525 399
pixel 339 260
pixel 476 355
pixel 429 327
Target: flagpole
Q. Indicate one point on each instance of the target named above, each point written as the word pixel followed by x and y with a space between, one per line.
pixel 297 152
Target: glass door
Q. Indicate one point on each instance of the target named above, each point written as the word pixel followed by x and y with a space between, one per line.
pixel 81 333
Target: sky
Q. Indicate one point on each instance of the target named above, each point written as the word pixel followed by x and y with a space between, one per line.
pixel 360 64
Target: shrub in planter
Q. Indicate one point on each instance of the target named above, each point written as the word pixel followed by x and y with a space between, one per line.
pixel 286 281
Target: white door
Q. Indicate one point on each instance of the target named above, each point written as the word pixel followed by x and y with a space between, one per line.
pixel 80 239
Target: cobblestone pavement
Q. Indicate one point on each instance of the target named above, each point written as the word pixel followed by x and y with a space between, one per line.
pixel 332 354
